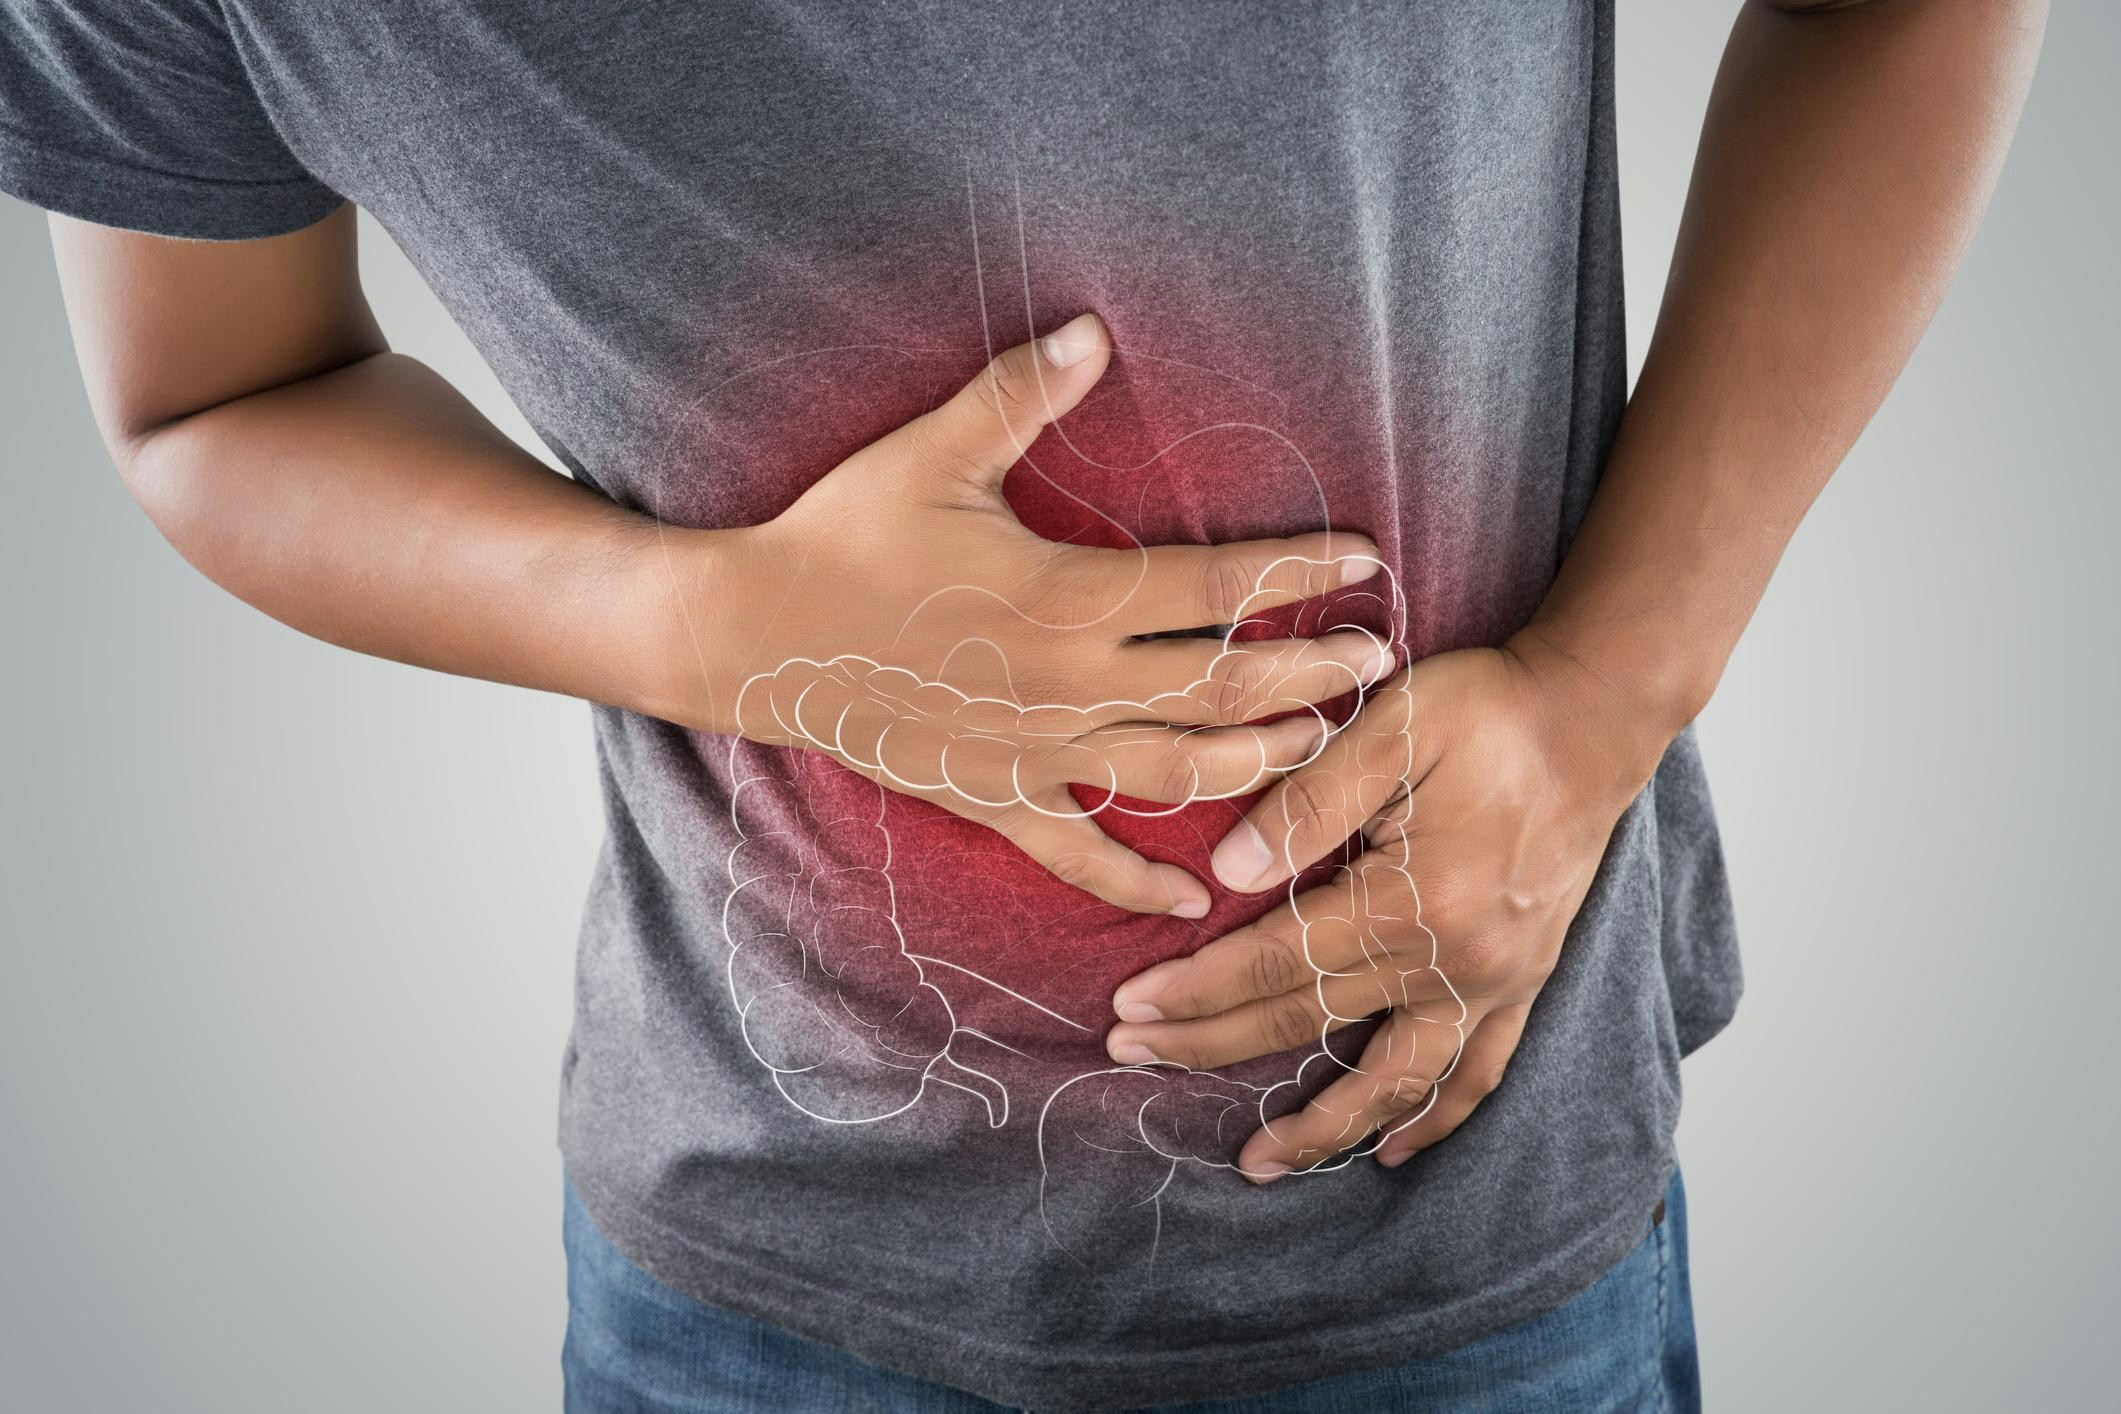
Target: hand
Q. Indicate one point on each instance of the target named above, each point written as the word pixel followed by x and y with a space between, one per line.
pixel 901 619
pixel 1494 777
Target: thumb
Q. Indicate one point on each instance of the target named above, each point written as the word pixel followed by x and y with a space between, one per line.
pixel 987 425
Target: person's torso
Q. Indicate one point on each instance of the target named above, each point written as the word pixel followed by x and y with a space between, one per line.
pixel 1360 264
pixel 711 250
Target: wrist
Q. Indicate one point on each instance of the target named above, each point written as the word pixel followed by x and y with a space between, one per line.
pixel 685 591
pixel 1622 709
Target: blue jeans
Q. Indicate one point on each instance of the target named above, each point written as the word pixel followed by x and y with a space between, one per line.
pixel 634 1346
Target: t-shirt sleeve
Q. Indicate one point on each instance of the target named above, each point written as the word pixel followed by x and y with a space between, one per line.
pixel 139 113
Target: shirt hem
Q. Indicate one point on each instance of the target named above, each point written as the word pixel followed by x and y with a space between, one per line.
pixel 1072 1382
pixel 157 203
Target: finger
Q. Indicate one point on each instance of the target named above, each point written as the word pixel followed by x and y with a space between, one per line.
pixel 1054 831
pixel 1477 1075
pixel 971 775
pixel 1208 682
pixel 1338 931
pixel 986 427
pixel 1177 766
pixel 1402 1070
pixel 1313 811
pixel 1387 829
pixel 1304 1015
pixel 1263 959
pixel 1168 587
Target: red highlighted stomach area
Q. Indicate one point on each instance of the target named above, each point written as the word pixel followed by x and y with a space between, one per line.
pixel 872 924
pixel 867 926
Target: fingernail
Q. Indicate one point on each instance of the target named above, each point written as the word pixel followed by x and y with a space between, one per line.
pixel 1393 1161
pixel 1354 571
pixel 1190 908
pixel 1380 665
pixel 1073 342
pixel 1263 1173
pixel 1131 1053
pixel 1135 1011
pixel 1242 858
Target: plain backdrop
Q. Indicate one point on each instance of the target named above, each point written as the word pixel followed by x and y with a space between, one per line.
pixel 288 934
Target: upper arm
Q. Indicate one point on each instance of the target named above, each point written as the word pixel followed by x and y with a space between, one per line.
pixel 165 328
pixel 140 116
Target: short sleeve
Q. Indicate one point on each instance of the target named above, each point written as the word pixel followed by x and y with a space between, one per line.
pixel 138 113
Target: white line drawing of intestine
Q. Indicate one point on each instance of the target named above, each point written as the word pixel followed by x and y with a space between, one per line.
pixel 832 1002
pixel 846 1017
pixel 852 1022
pixel 1111 1141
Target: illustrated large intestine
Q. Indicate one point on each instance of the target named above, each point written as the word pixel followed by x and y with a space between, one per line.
pixel 832 1003
pixel 883 953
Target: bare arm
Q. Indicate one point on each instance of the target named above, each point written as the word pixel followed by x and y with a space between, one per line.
pixel 257 415
pixel 248 398
pixel 1848 153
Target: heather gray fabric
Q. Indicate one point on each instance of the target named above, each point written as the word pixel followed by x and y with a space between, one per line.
pixel 836 1058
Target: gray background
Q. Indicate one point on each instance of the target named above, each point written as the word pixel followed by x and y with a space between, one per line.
pixel 288 934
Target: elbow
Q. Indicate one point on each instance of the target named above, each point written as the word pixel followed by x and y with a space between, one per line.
pixel 165 479
pixel 188 468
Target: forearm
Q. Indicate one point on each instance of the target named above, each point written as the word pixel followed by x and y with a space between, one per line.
pixel 373 507
pixel 1843 166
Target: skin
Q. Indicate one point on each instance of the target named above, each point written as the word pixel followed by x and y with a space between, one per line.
pixel 1848 153
pixel 248 399
pixel 255 412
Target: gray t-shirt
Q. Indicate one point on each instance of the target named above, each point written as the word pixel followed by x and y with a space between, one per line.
pixel 837 1055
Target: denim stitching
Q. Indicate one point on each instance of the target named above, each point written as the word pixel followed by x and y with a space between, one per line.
pixel 1663 1317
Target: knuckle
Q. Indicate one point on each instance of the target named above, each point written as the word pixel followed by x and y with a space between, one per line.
pixel 1442 903
pixel 1178 778
pixel 1272 970
pixel 1386 1098
pixel 1005 386
pixel 1310 800
pixel 1093 579
pixel 1076 869
pixel 1407 1090
pixel 1226 587
pixel 1476 961
pixel 1485 1078
pixel 1286 1023
pixel 1044 676
pixel 1058 589
pixel 1242 678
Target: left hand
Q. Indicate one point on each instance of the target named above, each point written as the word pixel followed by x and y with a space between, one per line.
pixel 1494 774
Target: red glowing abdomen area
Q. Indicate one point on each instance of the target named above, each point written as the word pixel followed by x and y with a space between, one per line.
pixel 1174 446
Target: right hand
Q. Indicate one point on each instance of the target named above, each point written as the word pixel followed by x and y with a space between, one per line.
pixel 901 619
